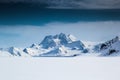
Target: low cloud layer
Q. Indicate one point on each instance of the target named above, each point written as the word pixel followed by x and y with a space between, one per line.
pixel 22 36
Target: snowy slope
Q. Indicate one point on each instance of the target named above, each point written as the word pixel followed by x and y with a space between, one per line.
pixel 109 48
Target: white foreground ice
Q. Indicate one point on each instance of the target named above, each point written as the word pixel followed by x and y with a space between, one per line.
pixel 74 68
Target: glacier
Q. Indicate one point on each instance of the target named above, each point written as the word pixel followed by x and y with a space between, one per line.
pixel 62 45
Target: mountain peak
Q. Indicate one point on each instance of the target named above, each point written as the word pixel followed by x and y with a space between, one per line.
pixel 57 40
pixel 107 44
pixel 73 38
pixel 48 41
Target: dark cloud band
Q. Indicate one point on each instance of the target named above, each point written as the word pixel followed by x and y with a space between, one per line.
pixel 110 4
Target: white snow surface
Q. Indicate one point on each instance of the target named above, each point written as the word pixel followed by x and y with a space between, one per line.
pixel 73 68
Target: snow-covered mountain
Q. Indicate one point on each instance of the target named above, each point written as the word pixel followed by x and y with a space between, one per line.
pixel 109 48
pixel 57 45
pixel 62 45
pixel 12 51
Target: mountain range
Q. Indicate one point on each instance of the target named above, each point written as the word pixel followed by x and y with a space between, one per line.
pixel 62 45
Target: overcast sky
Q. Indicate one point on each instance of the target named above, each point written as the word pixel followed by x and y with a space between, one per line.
pixel 75 3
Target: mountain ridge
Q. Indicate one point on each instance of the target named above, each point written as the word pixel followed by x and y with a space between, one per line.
pixel 62 45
